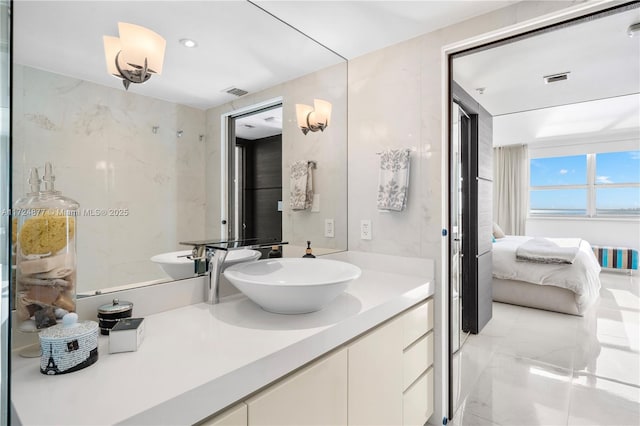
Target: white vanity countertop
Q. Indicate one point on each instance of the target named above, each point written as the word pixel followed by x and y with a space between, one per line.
pixel 201 358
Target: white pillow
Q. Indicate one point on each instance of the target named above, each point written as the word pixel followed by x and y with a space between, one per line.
pixel 497 231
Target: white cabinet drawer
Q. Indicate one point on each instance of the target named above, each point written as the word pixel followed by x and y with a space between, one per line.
pixel 416 359
pixel 316 395
pixel 417 322
pixel 417 401
pixel 375 377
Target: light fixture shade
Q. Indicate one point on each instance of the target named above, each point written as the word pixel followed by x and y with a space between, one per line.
pixel 302 111
pixel 322 113
pixel 112 46
pixel 138 44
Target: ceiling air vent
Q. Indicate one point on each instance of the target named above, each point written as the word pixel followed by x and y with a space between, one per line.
pixel 235 91
pixel 556 77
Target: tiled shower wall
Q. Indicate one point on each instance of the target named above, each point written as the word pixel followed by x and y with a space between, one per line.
pixel 106 155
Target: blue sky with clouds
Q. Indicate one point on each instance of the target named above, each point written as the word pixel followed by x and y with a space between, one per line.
pixel 615 167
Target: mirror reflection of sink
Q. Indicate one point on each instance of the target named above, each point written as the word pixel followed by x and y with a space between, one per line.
pixel 292 285
pixel 178 266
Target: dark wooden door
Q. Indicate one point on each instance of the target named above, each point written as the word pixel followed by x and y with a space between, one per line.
pixel 477 224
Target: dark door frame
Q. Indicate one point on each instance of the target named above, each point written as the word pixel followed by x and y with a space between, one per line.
pixel 228 221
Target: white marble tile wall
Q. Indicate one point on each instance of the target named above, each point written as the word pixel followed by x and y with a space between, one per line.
pixel 395 101
pixel 106 156
pixel 328 149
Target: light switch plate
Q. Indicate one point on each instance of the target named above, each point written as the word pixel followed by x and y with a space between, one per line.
pixel 329 228
pixel 315 203
pixel 365 229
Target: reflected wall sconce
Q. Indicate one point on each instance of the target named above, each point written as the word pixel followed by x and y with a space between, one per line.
pixel 135 55
pixel 313 118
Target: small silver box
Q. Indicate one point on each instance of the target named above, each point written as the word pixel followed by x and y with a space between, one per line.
pixel 126 335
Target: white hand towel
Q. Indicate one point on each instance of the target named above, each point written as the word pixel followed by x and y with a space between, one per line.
pixel 393 179
pixel 301 185
pixel 549 250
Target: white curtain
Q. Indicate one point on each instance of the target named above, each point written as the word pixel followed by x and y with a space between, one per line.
pixel 511 188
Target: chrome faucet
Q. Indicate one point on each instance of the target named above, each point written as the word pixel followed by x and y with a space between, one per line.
pixel 215 268
pixel 209 256
pixel 209 261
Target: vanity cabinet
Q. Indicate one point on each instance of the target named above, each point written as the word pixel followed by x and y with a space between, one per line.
pixel 417 364
pixel 384 377
pixel 390 371
pixel 375 376
pixel 316 395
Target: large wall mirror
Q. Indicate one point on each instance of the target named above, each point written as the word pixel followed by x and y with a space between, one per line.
pixel 147 164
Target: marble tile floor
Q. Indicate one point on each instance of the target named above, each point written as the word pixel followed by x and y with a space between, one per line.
pixel 534 367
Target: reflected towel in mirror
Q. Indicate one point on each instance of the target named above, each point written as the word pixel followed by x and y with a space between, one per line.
pixel 393 179
pixel 301 184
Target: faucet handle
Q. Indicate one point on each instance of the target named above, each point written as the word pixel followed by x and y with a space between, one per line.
pixel 209 253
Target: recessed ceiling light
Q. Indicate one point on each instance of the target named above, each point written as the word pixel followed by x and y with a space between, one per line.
pixel 187 42
pixel 634 30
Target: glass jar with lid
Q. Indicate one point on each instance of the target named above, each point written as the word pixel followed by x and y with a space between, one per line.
pixel 45 253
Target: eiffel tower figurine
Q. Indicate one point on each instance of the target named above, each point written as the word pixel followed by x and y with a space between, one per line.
pixel 51 368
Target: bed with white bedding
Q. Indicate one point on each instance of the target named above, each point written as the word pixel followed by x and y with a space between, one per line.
pixel 545 281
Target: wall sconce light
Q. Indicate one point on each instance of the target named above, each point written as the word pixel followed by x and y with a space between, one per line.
pixel 135 55
pixel 313 118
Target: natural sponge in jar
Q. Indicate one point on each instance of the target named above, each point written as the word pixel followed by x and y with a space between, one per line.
pixel 47 233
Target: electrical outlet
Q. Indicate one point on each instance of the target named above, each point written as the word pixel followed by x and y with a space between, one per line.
pixel 365 229
pixel 329 228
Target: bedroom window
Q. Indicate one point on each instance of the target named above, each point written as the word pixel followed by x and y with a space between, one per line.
pixel 558 186
pixel 617 183
pixel 589 185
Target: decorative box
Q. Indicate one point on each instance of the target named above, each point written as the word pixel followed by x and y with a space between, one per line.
pixel 69 346
pixel 126 335
pixel 111 313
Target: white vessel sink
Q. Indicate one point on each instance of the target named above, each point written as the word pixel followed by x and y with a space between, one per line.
pixel 178 266
pixel 292 285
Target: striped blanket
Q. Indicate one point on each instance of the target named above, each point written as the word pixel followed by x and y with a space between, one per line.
pixel 616 258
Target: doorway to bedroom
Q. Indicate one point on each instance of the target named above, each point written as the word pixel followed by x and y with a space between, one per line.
pixel 564 103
